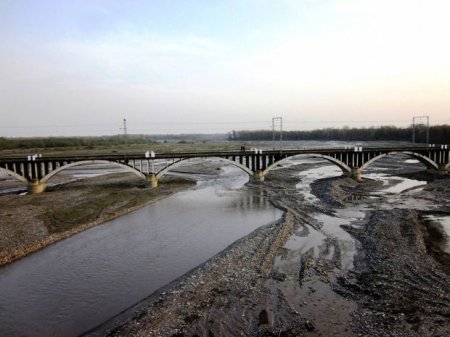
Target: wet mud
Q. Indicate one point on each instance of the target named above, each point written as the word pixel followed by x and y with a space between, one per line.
pixel 29 223
pixel 290 279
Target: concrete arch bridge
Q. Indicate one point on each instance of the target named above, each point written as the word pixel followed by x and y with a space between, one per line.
pixel 37 170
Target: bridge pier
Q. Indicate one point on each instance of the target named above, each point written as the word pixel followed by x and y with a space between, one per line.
pixel 443 169
pixel 153 180
pixel 259 175
pixel 36 186
pixel 356 173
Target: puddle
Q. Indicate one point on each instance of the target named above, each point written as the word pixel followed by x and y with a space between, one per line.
pixel 394 184
pixel 412 161
pixel 309 176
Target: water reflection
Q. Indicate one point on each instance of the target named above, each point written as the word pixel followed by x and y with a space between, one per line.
pixel 78 283
pixel 315 241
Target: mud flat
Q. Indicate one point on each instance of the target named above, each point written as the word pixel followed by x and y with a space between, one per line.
pixel 400 288
pixel 263 284
pixel 260 287
pixel 31 222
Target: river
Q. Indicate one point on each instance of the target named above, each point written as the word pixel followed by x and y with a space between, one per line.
pixel 78 283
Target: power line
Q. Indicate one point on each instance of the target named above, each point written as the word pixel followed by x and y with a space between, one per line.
pixel 266 122
pixel 53 126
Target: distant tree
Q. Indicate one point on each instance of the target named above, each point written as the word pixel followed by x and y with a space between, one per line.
pixel 438 134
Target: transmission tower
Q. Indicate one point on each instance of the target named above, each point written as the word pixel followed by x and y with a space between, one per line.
pixel 414 128
pixel 125 135
pixel 277 121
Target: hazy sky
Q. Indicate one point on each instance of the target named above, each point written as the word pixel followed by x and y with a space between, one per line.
pixel 79 67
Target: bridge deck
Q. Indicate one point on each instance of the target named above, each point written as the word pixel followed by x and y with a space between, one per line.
pixel 205 154
pixel 352 160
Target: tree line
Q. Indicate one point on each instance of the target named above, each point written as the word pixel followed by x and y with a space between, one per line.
pixel 72 142
pixel 438 134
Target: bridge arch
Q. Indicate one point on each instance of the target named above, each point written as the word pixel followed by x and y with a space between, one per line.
pixel 78 163
pixel 14 174
pixel 182 161
pixel 345 168
pixel 420 157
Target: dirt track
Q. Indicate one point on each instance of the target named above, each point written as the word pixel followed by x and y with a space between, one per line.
pixel 398 287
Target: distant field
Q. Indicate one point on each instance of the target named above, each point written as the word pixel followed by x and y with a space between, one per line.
pixel 190 146
pixel 182 146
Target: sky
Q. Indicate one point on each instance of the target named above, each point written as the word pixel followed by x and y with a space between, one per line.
pixel 80 67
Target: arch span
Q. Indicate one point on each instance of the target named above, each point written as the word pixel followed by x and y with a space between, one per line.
pixel 345 168
pixel 182 161
pixel 423 159
pixel 14 174
pixel 78 163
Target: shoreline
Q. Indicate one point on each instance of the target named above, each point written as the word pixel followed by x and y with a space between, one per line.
pixel 192 278
pixel 240 292
pixel 8 256
pixel 313 297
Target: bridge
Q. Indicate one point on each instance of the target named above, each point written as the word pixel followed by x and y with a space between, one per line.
pixel 37 170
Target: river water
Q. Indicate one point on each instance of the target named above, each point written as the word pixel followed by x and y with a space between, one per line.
pixel 78 283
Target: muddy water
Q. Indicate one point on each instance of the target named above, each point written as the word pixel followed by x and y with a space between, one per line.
pixel 323 242
pixel 395 192
pixel 78 283
pixel 328 226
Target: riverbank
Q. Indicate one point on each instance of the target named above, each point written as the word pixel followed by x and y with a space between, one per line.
pixel 31 222
pixel 396 287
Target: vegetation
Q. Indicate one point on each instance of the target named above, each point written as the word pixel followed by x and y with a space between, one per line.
pixel 58 142
pixel 437 134
pixel 103 197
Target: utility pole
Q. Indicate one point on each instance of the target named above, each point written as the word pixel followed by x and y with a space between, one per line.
pixel 414 128
pixel 280 121
pixel 125 136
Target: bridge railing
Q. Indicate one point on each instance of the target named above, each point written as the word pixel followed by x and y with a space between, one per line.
pixel 191 154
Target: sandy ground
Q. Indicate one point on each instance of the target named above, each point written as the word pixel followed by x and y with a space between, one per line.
pixel 400 285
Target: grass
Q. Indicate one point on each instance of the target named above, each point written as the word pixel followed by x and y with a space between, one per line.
pixel 93 199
